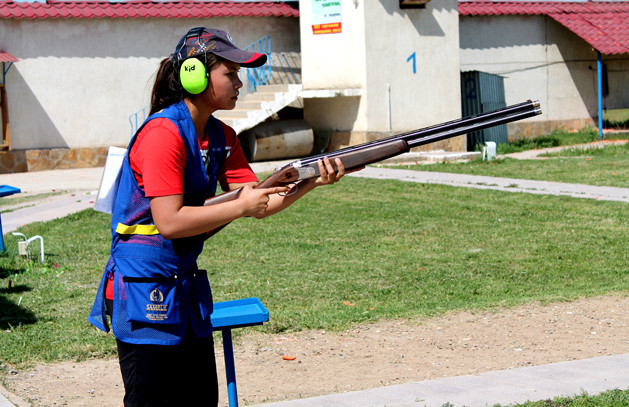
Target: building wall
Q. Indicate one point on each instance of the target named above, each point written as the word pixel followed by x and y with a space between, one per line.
pixel 541 59
pixel 77 81
pixel 390 55
pixel 334 61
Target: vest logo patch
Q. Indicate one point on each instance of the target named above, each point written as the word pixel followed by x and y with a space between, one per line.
pixel 156 296
pixel 157 311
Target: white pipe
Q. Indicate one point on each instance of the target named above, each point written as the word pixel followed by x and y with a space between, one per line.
pixel 28 242
pixel 41 245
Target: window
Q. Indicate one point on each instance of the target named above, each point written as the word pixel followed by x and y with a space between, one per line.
pixel 413 3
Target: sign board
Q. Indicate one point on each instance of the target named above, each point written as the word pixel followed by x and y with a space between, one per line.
pixel 326 16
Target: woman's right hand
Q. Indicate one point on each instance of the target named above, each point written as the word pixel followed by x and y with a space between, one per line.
pixel 255 201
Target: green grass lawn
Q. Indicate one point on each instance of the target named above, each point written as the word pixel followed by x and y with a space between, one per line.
pixel 607 166
pixel 393 249
pixel 557 138
pixel 616 118
pixel 613 398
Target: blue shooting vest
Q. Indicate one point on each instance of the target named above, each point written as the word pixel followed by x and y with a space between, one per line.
pixel 158 288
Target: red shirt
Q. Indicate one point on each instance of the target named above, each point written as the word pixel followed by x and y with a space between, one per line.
pixel 158 158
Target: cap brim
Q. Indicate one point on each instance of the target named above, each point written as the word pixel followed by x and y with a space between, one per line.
pixel 244 58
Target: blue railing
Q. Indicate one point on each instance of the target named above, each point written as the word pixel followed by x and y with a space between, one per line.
pixel 261 75
pixel 288 66
pixel 137 118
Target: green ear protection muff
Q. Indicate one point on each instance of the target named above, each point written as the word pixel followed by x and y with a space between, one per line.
pixel 193 76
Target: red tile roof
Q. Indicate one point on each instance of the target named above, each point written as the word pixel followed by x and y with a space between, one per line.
pixel 144 9
pixel 6 57
pixel 604 25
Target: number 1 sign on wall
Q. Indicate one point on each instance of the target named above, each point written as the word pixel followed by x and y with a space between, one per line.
pixel 414 59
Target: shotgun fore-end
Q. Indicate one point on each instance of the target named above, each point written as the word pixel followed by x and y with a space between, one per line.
pixel 356 158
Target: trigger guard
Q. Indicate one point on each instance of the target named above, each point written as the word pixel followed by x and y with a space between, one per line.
pixel 293 190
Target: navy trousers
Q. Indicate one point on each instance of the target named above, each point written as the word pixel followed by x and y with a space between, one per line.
pixel 168 376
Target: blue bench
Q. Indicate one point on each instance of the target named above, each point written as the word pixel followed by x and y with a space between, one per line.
pixel 228 315
pixel 6 190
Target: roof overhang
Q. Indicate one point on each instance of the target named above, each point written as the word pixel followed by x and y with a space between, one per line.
pixel 53 9
pixel 603 25
pixel 608 33
pixel 9 59
pixel 6 57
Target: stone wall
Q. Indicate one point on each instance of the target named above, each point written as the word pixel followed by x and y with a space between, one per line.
pixel 51 159
pixel 13 161
pixel 524 130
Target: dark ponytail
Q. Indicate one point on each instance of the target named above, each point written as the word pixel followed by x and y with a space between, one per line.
pixel 167 89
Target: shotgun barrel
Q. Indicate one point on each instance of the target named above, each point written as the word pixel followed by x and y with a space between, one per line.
pixel 448 129
pixel 381 149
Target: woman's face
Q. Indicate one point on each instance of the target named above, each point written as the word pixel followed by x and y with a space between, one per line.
pixel 224 83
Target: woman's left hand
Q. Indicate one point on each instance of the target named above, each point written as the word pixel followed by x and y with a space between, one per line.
pixel 327 175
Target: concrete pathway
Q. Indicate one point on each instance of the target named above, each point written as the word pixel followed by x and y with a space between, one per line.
pixel 505 387
pixel 502 184
pixel 70 191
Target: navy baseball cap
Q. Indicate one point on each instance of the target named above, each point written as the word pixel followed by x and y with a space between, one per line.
pixel 201 40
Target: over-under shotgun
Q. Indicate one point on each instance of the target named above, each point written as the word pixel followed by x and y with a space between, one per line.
pixel 368 153
pixel 381 149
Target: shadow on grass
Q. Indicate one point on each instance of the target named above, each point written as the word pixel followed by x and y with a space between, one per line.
pixel 11 314
pixel 6 272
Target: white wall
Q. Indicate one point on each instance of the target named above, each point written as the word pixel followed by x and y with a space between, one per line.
pixel 334 61
pixel 538 58
pixel 431 93
pixel 371 54
pixel 77 81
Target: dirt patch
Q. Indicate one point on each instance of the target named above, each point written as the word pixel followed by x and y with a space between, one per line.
pixel 380 354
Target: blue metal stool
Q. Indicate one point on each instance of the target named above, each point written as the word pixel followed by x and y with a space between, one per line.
pixel 6 190
pixel 228 315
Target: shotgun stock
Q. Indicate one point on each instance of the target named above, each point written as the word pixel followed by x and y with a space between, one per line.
pixel 378 150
